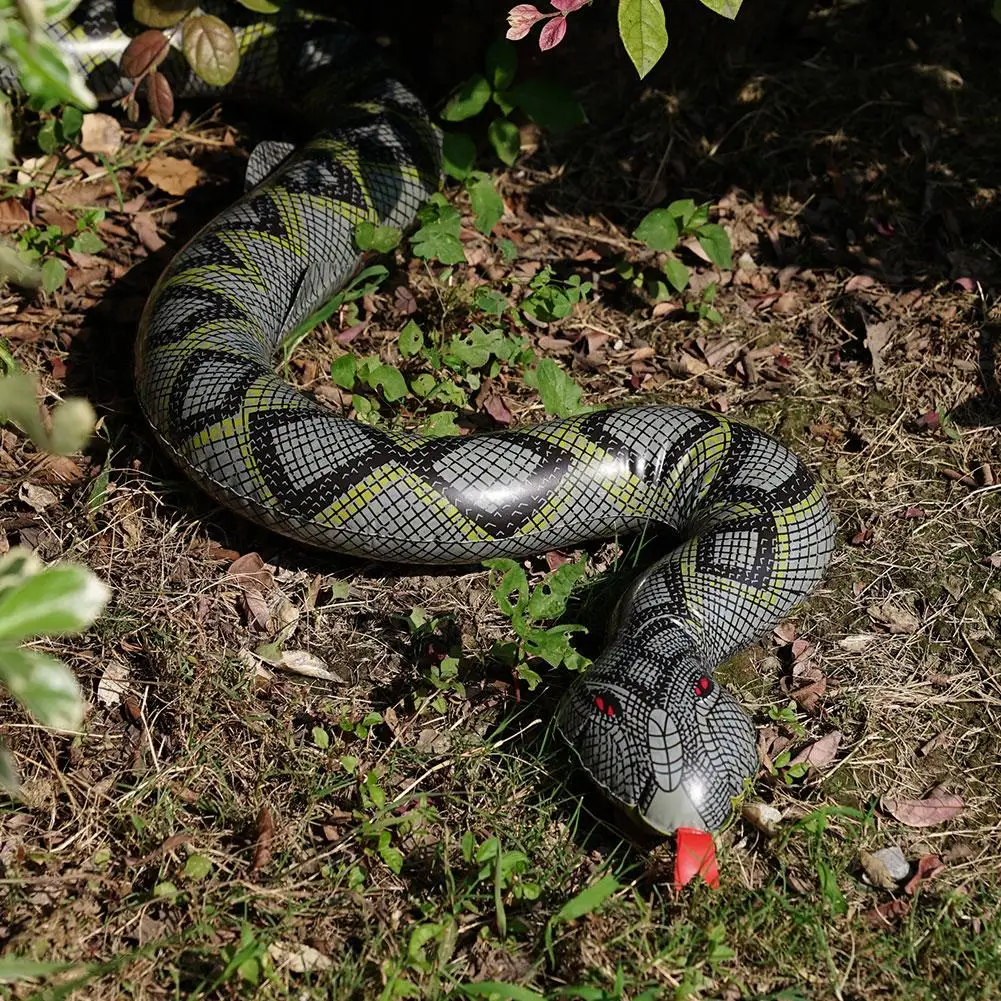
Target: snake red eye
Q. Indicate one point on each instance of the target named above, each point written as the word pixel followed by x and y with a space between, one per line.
pixel 703 686
pixel 606 705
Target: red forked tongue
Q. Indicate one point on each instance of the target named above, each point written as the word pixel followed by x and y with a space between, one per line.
pixel 695 855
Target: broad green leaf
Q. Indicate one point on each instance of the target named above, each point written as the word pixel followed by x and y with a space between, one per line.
pixel 469 100
pixel 549 105
pixel 381 239
pixel 658 230
pixel 13 264
pixel 45 686
pixel 59 10
pixel 59 600
pixel 488 206
pixel 389 381
pixel 211 48
pixel 643 32
pixel 72 426
pixel 161 13
pixel 342 371
pixel 458 154
pixel 676 273
pixel 489 300
pixel 501 63
pixel 549 599
pixel 411 339
pixel 715 242
pixel 559 393
pixel 197 867
pixel 725 8
pixel 505 137
pixel 53 274
pixel 435 241
pixel 440 425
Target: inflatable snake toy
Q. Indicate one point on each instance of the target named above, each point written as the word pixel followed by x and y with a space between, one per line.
pixel 648 720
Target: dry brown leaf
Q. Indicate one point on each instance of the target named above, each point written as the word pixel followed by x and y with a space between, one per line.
pixel 251 573
pixel 936 808
pixel 898 619
pixel 298 957
pixel 144 226
pixel 101 133
pixel 762 816
pixel 37 498
pixel 265 837
pixel 308 665
pixel 112 686
pixel 820 753
pixel 877 337
pixel 171 174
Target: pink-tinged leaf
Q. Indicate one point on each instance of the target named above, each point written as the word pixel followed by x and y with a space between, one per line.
pixel 928 867
pixel 552 34
pixel 520 20
pixel 569 6
pixel 695 855
pixel 821 752
pixel 936 808
pixel 886 914
pixel 966 284
pixel 498 409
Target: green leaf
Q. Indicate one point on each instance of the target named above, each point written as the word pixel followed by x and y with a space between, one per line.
pixel 440 425
pixel 321 738
pixel 643 32
pixel 501 64
pixel 197 867
pixel 488 206
pixel 559 393
pixel 260 6
pixel 684 211
pixel 411 339
pixel 211 48
pixel 489 301
pixel 658 230
pixel 512 579
pixel 548 104
pixel 505 138
pixel 423 384
pixel 435 242
pixel 458 154
pixel 589 899
pixel 88 242
pixel 342 371
pixel 389 381
pixel 725 8
pixel 70 122
pixel 549 598
pixel 53 274
pixel 42 68
pixel 161 13
pixel 676 273
pixel 10 781
pixel 715 242
pixel 381 239
pixel 46 687
pixel 56 601
pixel 469 100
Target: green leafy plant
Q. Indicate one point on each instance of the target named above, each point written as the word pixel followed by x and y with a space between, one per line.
pixel 662 230
pixel 43 246
pixel 641 23
pixel 529 609
pixel 37 600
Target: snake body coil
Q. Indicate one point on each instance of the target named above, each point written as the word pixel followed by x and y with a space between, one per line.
pixel 648 720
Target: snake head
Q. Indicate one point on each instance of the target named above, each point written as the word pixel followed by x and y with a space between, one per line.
pixel 664 740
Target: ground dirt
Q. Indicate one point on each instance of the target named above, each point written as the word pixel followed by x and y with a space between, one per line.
pixel 221 827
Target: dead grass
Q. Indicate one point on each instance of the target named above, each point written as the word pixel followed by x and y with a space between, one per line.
pixel 221 828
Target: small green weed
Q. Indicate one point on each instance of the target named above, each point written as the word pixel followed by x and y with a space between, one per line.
pixel 528 608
